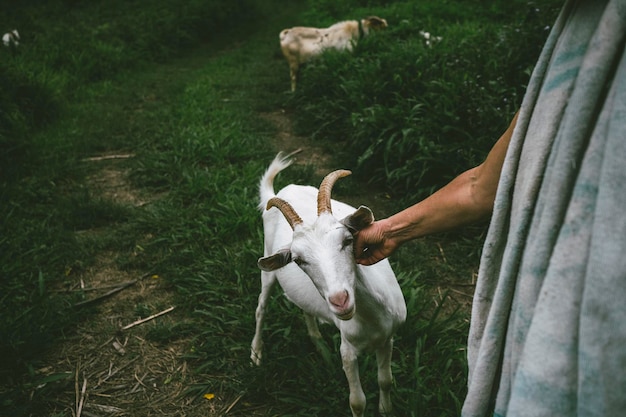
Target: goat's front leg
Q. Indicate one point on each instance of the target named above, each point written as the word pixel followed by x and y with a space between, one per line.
pixel 267 282
pixel 385 378
pixel 351 369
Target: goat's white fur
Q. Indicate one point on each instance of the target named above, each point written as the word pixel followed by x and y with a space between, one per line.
pixel 364 302
pixel 300 44
pixel 11 39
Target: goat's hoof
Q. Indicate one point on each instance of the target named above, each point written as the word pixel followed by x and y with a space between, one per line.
pixel 256 358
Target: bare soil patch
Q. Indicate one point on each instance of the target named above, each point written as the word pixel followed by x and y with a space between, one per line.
pixel 112 366
pixel 287 141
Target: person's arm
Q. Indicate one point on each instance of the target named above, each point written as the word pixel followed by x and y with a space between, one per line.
pixel 467 198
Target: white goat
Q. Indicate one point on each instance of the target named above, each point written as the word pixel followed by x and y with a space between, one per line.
pixel 11 40
pixel 300 44
pixel 364 302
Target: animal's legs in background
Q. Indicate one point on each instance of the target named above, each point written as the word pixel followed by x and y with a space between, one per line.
pixel 293 73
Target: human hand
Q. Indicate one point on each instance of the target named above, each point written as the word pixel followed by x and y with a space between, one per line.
pixel 371 245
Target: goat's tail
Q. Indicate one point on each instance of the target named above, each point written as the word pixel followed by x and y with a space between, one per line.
pixel 266 186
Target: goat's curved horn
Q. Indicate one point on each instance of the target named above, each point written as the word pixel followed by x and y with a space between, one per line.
pixel 323 196
pixel 285 208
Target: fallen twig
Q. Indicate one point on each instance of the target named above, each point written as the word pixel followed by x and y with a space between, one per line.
pixel 105 295
pixel 230 407
pixel 460 292
pixel 126 365
pixel 105 157
pixel 108 409
pixel 106 343
pixel 138 322
pixel 86 289
pixel 443 255
pixel 461 284
pixel 82 398
pixel 76 392
pixel 139 382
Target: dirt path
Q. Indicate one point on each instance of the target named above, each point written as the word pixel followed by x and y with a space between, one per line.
pixel 112 368
pixel 287 141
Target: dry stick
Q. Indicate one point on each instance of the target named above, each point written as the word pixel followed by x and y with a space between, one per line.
pixel 443 255
pixel 138 322
pixel 76 385
pixel 104 287
pixel 116 371
pixel 82 398
pixel 233 404
pixel 113 291
pixel 139 382
pixel 106 343
pixel 107 409
pixel 105 295
pixel 104 157
pixel 460 292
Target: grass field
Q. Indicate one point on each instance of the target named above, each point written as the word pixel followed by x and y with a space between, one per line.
pixel 135 169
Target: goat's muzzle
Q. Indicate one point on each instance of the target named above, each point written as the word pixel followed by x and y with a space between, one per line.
pixel 347 315
pixel 342 303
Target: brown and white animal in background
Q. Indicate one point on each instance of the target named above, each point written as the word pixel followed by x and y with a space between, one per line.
pixel 309 252
pixel 11 40
pixel 300 44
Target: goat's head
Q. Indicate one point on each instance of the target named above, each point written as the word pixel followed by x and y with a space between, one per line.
pixel 323 250
pixel 375 22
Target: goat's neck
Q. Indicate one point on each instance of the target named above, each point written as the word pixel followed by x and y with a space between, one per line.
pixel 369 302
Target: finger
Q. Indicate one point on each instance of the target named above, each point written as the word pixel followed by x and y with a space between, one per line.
pixel 370 257
pixel 371 260
pixel 364 261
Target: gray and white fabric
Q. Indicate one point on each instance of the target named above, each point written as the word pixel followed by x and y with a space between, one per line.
pixel 548 328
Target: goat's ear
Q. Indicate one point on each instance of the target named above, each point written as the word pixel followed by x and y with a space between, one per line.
pixel 358 220
pixel 275 261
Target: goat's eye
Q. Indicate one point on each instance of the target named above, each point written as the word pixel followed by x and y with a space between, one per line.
pixel 299 261
pixel 347 242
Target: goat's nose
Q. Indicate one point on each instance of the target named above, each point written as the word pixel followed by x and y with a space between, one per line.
pixel 339 299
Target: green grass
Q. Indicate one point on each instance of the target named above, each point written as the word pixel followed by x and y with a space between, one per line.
pixel 189 112
pixel 412 116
